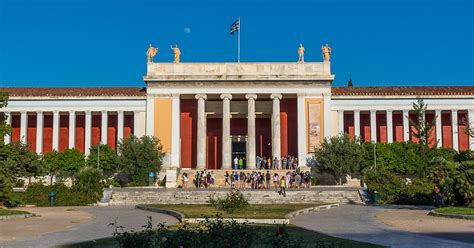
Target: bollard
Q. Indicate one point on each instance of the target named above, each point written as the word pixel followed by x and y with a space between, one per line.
pixel 52 198
pixel 151 178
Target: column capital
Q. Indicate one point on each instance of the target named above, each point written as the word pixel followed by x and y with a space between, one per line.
pixel 276 96
pixel 357 111
pixel 389 110
pixel 120 111
pixel 373 111
pixel 88 112
pixel 38 112
pixel 340 111
pixel 251 96
pixel 104 112
pixel 56 112
pixel 201 96
pixel 226 96
pixel 454 110
pixel 72 112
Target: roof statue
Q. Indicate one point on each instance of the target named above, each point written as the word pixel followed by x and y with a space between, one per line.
pixel 177 54
pixel 326 52
pixel 151 52
pixel 301 54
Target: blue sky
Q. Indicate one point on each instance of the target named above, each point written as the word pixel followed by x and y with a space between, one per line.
pixel 103 43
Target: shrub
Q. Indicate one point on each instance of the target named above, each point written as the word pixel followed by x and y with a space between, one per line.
pixel 6 191
pixel 389 186
pixel 419 192
pixel 233 201
pixel 38 194
pixel 89 181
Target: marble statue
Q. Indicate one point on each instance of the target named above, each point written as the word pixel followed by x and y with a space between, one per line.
pixel 301 54
pixel 326 52
pixel 177 54
pixel 151 52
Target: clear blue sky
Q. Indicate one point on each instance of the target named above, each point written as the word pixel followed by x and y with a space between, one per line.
pixel 103 43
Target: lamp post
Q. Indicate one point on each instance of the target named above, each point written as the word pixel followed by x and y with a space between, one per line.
pixel 375 154
pixel 98 154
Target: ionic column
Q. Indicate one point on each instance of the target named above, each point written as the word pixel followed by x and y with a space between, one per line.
pixel 226 141
pixel 175 131
pixel 104 127
pixel 454 123
pixel 373 126
pixel 72 129
pixel 88 128
pixel 389 126
pixel 251 149
pixel 439 129
pixel 23 127
pixel 120 124
pixel 276 130
pixel 56 130
pixel 201 131
pixel 340 114
pixel 302 136
pixel 136 123
pixel 357 123
pixel 8 121
pixel 406 126
pixel 470 120
pixel 39 132
pixel 150 115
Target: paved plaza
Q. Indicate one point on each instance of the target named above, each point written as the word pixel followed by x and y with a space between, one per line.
pixel 389 226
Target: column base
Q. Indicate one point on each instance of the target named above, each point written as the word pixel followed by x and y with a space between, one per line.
pixel 171 178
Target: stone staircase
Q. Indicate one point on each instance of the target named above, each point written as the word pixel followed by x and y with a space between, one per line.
pixel 133 196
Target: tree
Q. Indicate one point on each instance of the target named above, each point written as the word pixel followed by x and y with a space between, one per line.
pixel 107 158
pixel 52 163
pixel 139 156
pixel 71 161
pixel 422 127
pixel 89 181
pixel 4 127
pixel 340 155
pixel 22 162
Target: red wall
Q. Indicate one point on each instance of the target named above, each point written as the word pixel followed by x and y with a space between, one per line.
pixel 349 124
pixel 238 126
pixel 263 133
pixel 446 130
pixel 15 125
pixel 430 117
pixel 63 132
pixel 31 132
pixel 214 143
pixel 381 127
pixel 47 133
pixel 398 127
pixel 95 130
pixel 188 132
pixel 112 131
pixel 289 127
pixel 128 125
pixel 80 132
pixel 463 137
pixel 365 127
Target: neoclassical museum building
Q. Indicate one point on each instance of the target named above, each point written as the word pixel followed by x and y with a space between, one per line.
pixel 205 114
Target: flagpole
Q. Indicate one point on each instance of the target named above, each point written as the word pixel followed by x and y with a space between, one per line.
pixel 238 44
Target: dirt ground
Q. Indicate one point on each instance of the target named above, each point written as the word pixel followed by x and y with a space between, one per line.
pixel 418 221
pixel 48 220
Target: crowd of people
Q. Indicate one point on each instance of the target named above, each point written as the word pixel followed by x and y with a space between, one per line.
pixel 267 163
pixel 262 180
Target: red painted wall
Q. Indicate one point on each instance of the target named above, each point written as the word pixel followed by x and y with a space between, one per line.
pixel 463 137
pixel 365 126
pixel 63 132
pixel 263 131
pixel 446 130
pixel 128 125
pixel 214 143
pixel 430 117
pixel 47 133
pixel 188 132
pixel 112 131
pixel 398 127
pixel 381 127
pixel 31 132
pixel 15 125
pixel 238 126
pixel 80 132
pixel 289 127
pixel 95 130
pixel 349 124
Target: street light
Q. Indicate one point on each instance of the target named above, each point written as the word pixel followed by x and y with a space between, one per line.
pixel 375 154
pixel 98 154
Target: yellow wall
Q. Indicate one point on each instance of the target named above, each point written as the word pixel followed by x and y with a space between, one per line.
pixel 321 120
pixel 163 109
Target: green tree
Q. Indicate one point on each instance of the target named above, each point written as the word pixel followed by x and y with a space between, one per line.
pixel 422 127
pixel 340 155
pixel 22 162
pixel 139 156
pixel 107 158
pixel 4 127
pixel 89 181
pixel 52 163
pixel 71 161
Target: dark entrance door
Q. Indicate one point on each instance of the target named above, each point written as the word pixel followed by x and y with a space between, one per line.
pixel 239 152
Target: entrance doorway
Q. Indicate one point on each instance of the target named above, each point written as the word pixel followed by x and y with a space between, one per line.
pixel 239 155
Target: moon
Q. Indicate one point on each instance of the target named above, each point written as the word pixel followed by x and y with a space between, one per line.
pixel 187 30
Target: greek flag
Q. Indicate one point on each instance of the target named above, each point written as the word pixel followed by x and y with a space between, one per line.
pixel 235 27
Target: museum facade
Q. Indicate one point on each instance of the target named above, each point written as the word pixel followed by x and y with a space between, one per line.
pixel 206 114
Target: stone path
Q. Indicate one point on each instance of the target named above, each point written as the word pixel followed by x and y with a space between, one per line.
pixel 358 222
pixel 92 224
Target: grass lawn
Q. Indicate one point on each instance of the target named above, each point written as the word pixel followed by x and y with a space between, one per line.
pixel 262 211
pixel 296 232
pixel 4 212
pixel 455 210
